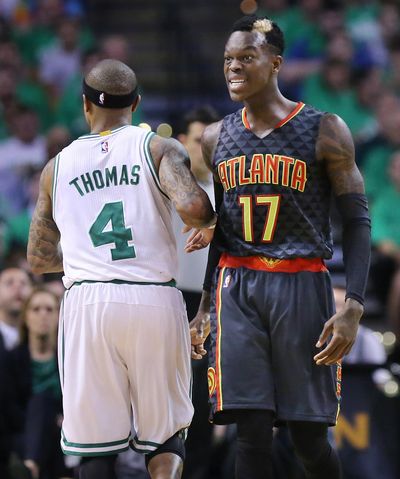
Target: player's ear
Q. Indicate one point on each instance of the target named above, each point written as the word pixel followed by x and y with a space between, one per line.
pixel 86 104
pixel 136 104
pixel 276 63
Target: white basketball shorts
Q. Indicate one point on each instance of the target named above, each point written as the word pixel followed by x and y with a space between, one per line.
pixel 124 358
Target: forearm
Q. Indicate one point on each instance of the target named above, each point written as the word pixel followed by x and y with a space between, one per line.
pixel 196 210
pixel 44 253
pixel 204 306
pixel 356 243
pixel 213 260
pixel 44 257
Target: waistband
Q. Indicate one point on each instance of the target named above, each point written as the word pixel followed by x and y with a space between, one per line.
pixel 171 283
pixel 263 263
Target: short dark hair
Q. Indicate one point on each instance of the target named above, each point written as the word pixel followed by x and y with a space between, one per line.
pixel 113 77
pixel 204 114
pixel 274 37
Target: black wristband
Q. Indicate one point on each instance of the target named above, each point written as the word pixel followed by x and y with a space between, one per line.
pixel 353 208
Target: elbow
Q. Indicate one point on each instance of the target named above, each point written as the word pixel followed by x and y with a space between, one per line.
pixel 35 266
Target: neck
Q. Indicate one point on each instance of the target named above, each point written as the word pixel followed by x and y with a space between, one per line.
pixel 102 124
pixel 41 347
pixel 268 108
pixel 11 318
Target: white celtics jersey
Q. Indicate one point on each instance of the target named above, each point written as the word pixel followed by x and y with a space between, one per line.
pixel 114 220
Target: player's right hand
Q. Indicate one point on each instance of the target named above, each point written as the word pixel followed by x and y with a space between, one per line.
pixel 198 239
pixel 199 331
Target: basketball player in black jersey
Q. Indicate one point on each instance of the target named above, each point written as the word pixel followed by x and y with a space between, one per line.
pixel 276 340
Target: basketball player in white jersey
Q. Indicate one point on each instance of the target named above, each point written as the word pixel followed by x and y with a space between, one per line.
pixel 104 218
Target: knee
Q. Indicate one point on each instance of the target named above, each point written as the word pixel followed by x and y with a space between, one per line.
pixel 254 428
pixel 310 440
pixel 98 467
pixel 174 445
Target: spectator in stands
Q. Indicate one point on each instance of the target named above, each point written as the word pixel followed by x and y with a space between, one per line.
pixel 34 362
pixel 8 100
pixel 41 31
pixel 385 218
pixel 17 229
pixel 15 286
pixel 330 91
pixel 116 47
pixel 376 154
pixel 26 88
pixel 69 112
pixel 367 85
pixel 393 73
pixel 26 148
pixel 57 139
pixel 61 61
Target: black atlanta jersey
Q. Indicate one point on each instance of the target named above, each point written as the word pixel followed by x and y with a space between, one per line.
pixel 276 194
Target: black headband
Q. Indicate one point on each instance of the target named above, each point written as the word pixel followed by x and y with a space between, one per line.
pixel 106 100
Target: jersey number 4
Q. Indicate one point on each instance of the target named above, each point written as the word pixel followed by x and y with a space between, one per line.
pixel 118 234
pixel 272 202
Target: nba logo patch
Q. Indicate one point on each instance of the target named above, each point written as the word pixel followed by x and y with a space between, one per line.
pixel 104 146
pixel 227 281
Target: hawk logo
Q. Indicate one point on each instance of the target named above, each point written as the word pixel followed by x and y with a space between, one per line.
pixel 270 262
pixel 101 98
pixel 104 146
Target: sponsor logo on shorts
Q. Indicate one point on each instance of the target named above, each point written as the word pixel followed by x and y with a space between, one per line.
pixel 211 381
pixel 227 281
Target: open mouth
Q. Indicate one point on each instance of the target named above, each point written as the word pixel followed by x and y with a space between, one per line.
pixel 236 85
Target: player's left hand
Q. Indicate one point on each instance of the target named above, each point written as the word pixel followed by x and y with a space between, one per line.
pixel 343 327
pixel 198 239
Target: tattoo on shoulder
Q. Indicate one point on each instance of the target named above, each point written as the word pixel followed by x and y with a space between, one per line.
pixel 335 147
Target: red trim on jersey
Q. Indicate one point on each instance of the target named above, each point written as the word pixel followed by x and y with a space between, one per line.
pixel 300 105
pixel 276 265
pixel 297 110
pixel 245 120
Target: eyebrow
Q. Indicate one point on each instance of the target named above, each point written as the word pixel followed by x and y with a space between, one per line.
pixel 247 47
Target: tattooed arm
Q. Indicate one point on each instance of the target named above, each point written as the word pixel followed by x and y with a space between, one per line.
pixel 44 254
pixel 336 149
pixel 173 165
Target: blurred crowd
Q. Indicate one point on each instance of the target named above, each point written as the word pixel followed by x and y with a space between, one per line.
pixel 341 56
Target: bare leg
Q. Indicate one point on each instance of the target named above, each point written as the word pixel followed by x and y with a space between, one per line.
pixel 165 466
